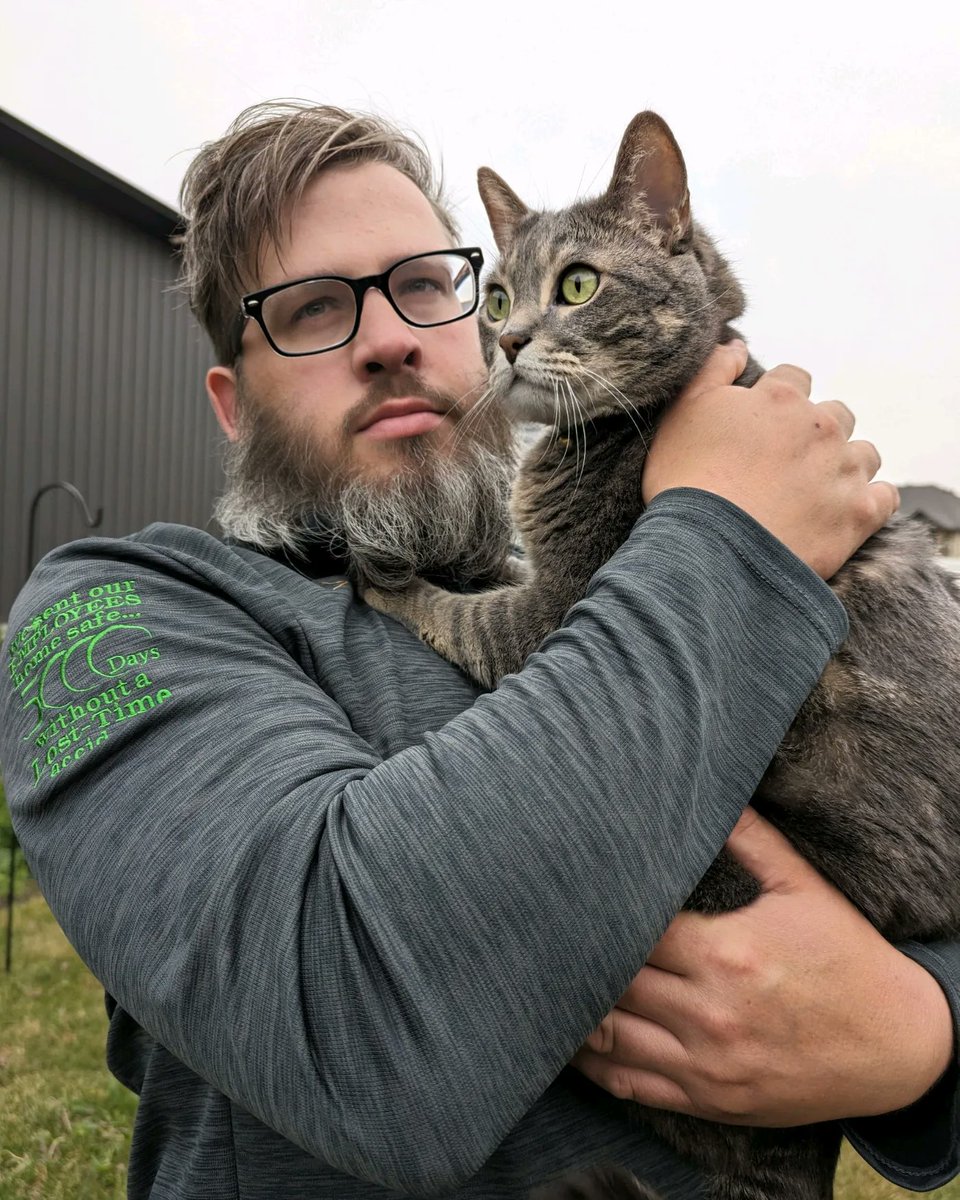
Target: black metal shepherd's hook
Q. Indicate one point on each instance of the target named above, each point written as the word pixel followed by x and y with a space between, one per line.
pixel 92 522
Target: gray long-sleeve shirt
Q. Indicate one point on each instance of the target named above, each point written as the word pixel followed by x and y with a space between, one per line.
pixel 353 918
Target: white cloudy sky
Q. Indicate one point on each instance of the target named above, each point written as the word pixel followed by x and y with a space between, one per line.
pixel 822 141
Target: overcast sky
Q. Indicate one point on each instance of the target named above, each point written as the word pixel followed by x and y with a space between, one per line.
pixel 822 142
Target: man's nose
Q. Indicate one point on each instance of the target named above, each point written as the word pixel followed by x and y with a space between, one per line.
pixel 384 341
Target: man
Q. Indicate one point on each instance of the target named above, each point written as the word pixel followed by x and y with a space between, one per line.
pixel 353 920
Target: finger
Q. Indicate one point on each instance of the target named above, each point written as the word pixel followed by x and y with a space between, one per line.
pixel 867 458
pixel 635 1040
pixel 886 498
pixel 630 1083
pixel 795 376
pixel 725 364
pixel 840 413
pixel 666 998
pixel 767 854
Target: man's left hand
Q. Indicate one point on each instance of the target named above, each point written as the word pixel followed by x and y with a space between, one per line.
pixel 786 1012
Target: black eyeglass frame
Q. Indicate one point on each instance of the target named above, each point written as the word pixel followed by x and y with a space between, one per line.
pixel 252 305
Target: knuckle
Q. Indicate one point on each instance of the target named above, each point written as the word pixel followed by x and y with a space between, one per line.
pixel 847 411
pixel 722 1027
pixel 865 508
pixel 805 378
pixel 735 959
pixel 827 425
pixel 781 391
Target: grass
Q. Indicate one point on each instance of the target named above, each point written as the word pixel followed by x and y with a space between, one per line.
pixel 65 1122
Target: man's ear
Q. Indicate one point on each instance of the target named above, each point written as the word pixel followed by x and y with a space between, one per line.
pixel 222 390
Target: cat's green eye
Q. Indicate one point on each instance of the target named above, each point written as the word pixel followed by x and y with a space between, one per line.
pixel 578 285
pixel 498 304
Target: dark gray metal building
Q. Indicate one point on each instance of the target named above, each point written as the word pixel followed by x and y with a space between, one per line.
pixel 101 362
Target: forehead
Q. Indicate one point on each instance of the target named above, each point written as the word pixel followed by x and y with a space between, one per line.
pixel 353 220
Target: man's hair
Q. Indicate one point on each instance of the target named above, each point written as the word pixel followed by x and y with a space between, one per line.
pixel 238 193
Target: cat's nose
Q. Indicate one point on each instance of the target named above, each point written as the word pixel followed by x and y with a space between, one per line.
pixel 512 344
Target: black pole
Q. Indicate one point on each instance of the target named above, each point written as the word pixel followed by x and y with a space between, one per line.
pixel 92 522
pixel 13 866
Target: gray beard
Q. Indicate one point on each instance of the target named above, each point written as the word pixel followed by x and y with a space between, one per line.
pixel 440 514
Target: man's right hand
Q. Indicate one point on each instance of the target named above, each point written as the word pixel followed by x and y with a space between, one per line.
pixel 770 450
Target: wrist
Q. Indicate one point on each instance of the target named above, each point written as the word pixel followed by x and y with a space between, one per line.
pixel 925 1034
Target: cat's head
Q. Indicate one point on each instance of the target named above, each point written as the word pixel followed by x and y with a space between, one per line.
pixel 615 300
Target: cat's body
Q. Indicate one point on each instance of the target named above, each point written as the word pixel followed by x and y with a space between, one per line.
pixel 867 782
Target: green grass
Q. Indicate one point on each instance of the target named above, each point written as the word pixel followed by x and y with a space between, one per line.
pixel 65 1122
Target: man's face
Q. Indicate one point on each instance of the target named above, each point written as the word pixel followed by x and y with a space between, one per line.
pixel 381 419
pixel 356 221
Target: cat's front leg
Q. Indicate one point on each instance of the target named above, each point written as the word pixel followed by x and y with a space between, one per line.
pixel 459 627
pixel 414 606
pixel 489 634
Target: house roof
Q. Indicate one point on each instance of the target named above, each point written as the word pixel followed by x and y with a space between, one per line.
pixel 940 507
pixel 27 146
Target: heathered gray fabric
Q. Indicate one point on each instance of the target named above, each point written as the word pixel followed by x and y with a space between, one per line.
pixel 355 917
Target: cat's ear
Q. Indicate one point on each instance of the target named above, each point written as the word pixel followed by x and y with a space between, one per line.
pixel 505 209
pixel 650 177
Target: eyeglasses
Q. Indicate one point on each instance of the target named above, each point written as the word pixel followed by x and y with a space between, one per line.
pixel 310 316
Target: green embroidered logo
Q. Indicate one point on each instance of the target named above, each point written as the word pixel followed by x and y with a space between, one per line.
pixel 78 667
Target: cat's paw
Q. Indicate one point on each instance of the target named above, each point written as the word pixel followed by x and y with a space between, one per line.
pixel 410 605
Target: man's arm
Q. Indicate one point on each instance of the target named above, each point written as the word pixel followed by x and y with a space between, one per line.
pixel 791 1011
pixel 299 919
pixel 308 926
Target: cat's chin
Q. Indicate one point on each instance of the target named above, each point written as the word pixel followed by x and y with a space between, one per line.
pixel 524 401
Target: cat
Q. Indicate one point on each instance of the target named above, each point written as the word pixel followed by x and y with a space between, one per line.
pixel 867 781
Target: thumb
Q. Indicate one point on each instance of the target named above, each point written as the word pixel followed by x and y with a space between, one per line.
pixel 725 364
pixel 769 857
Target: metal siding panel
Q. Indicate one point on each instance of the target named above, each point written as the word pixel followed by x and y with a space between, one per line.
pixel 82 368
pixel 147 409
pixel 30 393
pixel 102 380
pixel 11 414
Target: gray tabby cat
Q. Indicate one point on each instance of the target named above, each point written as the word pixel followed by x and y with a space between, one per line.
pixel 595 318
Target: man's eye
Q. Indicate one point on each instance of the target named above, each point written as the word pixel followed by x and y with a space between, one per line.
pixel 424 283
pixel 319 306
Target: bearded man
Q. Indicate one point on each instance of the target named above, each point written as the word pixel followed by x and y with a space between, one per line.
pixel 353 918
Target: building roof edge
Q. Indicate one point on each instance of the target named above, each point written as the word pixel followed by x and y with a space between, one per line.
pixel 28 147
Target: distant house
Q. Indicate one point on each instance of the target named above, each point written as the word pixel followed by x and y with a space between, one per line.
pixel 940 512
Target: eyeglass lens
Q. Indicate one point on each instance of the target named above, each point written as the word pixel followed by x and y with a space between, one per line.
pixel 321 313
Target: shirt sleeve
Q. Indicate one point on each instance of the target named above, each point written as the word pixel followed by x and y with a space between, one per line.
pixel 388 960
pixel 919 1147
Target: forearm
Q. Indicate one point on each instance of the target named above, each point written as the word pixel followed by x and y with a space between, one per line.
pixel 306 922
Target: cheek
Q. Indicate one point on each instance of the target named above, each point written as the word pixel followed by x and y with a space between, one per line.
pixel 462 353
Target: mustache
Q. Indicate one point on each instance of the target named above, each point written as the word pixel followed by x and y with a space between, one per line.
pixel 393 387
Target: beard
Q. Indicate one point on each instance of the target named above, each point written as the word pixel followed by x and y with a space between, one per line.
pixel 442 512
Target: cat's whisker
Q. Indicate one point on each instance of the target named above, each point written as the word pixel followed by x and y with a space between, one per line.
pixel 474 414
pixel 689 312
pixel 559 399
pixel 581 458
pixel 621 400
